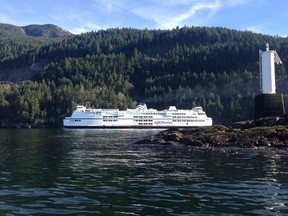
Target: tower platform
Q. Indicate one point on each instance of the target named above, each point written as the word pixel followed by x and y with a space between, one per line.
pixel 269 105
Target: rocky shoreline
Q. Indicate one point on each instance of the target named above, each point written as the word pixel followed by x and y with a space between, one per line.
pixel 266 132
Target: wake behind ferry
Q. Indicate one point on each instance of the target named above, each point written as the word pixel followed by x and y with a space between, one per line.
pixel 140 117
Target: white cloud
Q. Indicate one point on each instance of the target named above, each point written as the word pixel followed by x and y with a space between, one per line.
pixel 78 30
pixel 110 6
pixel 164 14
pixel 75 21
pixel 5 19
pixel 86 28
pixel 9 15
pixel 175 14
pixel 231 3
pixel 79 16
pixel 179 19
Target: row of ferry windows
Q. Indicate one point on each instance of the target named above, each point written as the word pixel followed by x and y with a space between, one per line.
pixel 75 120
pixel 142 116
pixel 172 116
pixel 148 113
pixel 181 113
pixel 184 117
pixel 136 113
pixel 174 120
pixel 165 113
pixel 115 116
pixel 145 124
pixel 110 120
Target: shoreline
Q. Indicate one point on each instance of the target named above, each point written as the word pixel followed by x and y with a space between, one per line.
pixel 265 132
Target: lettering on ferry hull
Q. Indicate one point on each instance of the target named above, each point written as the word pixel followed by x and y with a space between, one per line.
pixel 162 122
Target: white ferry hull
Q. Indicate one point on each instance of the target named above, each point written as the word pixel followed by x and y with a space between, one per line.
pixel 141 117
pixel 96 123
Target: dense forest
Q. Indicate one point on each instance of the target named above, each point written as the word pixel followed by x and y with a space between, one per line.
pixel 214 67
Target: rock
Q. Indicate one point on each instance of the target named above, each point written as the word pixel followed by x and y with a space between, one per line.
pixel 223 136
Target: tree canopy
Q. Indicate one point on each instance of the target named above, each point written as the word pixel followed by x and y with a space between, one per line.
pixel 214 67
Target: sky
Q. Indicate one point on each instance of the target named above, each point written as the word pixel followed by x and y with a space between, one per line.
pixel 79 16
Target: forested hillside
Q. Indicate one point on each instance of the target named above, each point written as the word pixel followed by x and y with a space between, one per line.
pixel 47 30
pixel 216 68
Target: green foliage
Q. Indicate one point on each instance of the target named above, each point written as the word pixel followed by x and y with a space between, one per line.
pixel 16 51
pixel 216 68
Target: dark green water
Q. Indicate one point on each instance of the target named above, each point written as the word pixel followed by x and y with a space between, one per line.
pixel 101 172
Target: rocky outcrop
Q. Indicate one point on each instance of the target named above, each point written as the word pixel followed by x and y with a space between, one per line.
pixel 247 134
pixel 47 30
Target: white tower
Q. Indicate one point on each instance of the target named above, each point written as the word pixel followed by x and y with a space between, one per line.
pixel 269 103
pixel 267 62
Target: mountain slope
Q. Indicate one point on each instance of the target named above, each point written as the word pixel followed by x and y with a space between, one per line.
pixel 7 29
pixel 215 67
pixel 46 31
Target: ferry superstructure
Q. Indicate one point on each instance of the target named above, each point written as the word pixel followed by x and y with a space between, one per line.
pixel 140 117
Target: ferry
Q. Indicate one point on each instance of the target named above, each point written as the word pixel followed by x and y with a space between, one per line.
pixel 139 117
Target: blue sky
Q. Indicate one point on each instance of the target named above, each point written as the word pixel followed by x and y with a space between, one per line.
pixel 78 16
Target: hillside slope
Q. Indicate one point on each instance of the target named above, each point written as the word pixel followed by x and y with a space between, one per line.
pixel 216 68
pixel 47 30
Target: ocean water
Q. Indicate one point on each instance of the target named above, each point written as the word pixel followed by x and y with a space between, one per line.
pixel 103 172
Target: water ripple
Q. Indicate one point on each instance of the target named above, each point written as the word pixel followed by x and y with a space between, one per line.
pixel 90 172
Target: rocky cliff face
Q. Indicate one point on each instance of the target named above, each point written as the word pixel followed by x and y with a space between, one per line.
pixel 48 30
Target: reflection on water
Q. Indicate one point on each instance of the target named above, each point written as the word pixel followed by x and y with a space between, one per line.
pixel 90 172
